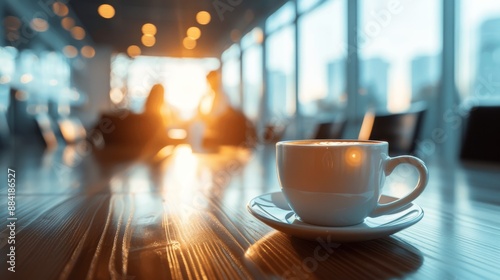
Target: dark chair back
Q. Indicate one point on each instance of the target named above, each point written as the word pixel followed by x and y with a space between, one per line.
pixel 330 129
pixel 481 140
pixel 4 130
pixel 400 130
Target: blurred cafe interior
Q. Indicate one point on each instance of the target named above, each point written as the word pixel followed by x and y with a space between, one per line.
pixel 311 69
pixel 115 114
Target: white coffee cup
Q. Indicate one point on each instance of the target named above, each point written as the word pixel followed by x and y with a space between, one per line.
pixel 339 182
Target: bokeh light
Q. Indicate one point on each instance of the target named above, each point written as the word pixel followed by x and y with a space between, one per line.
pixel 87 51
pixel 39 24
pixel 78 32
pixel 116 95
pixel 70 51
pixel 354 156
pixel 106 11
pixel 193 32
pixel 60 9
pixel 26 78
pixel 149 28
pixel 203 17
pixel 67 23
pixel 12 23
pixel 186 87
pixel 148 40
pixel 133 51
pixel 189 43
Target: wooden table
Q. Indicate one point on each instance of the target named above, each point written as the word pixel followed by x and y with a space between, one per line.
pixel 182 215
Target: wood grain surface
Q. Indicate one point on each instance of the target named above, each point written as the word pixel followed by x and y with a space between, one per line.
pixel 182 215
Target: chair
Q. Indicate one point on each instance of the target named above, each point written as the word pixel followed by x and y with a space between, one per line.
pixel 330 130
pixel 400 130
pixel 481 141
pixel 273 133
pixel 4 130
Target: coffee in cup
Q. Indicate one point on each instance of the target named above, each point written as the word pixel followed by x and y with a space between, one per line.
pixel 339 182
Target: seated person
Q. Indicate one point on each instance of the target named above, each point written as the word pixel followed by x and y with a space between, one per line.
pixel 134 132
pixel 224 125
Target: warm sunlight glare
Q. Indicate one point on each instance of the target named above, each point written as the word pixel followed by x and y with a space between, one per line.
pixel 398 102
pixel 184 161
pixel 186 87
pixel 206 104
pixel 366 127
pixel 354 156
pixel 164 152
pixel 399 96
pixel 177 133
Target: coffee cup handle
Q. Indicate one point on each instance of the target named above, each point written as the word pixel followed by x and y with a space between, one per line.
pixel 390 165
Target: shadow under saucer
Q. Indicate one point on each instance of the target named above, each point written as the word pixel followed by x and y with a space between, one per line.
pixel 279 255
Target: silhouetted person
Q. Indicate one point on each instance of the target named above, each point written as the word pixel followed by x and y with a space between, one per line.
pixel 144 133
pixel 155 102
pixel 225 125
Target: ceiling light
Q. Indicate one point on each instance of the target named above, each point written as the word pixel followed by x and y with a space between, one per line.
pixel 67 23
pixel 60 9
pixel 106 11
pixel 39 24
pixel 193 32
pixel 149 28
pixel 70 51
pixel 235 35
pixel 258 35
pixel 116 95
pixel 148 40
pixel 189 43
pixel 78 32
pixel 12 23
pixel 203 17
pixel 133 51
pixel 26 78
pixel 87 51
pixel 21 95
pixel 4 79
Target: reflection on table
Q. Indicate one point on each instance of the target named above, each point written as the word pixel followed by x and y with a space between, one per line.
pixel 182 214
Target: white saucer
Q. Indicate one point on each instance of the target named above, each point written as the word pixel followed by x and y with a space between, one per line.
pixel 273 210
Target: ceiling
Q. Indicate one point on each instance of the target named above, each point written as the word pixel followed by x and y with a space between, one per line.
pixel 172 19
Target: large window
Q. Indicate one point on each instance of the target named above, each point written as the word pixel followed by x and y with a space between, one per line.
pixel 322 54
pixel 280 62
pixel 7 70
pixel 231 78
pixel 478 50
pixel 399 48
pixel 252 73
pixel 44 76
pixel 184 80
pixel 305 5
